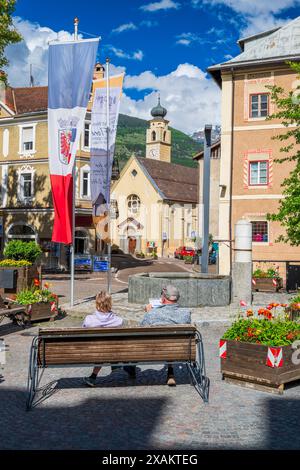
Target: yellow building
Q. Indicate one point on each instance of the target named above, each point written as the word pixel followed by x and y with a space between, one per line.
pixel 26 201
pixel 155 201
pixel 249 176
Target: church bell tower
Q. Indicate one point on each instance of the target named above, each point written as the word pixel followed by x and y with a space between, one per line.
pixel 158 140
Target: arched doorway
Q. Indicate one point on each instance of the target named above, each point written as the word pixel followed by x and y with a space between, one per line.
pixel 131 245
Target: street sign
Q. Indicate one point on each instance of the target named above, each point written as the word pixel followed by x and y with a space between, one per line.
pixel 164 236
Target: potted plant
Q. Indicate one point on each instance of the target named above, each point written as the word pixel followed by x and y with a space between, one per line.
pixel 188 259
pixel 293 309
pixel 40 302
pixel 259 349
pixel 22 257
pixel 267 280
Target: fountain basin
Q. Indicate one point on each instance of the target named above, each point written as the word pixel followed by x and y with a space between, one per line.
pixel 195 289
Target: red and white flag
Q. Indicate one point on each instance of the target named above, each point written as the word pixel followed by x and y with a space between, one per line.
pixel 70 74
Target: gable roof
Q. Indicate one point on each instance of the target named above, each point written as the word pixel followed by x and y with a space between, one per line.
pixel 27 99
pixel 281 42
pixel 174 182
pixel 276 45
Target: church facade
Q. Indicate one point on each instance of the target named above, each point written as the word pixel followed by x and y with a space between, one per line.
pixel 155 201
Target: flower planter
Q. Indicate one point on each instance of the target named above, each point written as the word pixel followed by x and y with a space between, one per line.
pixel 294 313
pixel 40 311
pixel 245 364
pixel 265 284
pixel 25 277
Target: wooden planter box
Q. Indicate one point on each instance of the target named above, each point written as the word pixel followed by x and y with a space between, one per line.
pixel 39 311
pixel 25 277
pixel 245 365
pixel 294 314
pixel 265 284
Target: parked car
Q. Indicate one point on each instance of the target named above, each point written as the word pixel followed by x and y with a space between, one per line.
pixel 184 251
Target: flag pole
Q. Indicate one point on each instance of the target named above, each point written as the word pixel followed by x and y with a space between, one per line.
pixel 107 179
pixel 72 248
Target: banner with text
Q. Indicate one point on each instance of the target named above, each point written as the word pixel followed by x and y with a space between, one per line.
pixel 70 74
pixel 102 149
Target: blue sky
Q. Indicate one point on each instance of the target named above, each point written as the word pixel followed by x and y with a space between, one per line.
pixel 163 45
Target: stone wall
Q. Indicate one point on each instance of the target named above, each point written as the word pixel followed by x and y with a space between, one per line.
pixel 195 289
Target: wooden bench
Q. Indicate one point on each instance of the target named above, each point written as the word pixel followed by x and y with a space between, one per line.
pixel 14 312
pixel 71 347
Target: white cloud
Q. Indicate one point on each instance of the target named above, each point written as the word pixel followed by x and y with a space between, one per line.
pixel 256 15
pixel 161 5
pixel 124 27
pixel 32 50
pixel 191 98
pixel 137 55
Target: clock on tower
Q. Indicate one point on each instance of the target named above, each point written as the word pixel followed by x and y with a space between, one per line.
pixel 158 141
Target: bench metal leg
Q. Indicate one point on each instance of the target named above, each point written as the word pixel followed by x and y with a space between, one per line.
pixel 198 372
pixel 33 374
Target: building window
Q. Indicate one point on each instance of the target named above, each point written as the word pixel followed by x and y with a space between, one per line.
pixel 260 231
pixel 81 242
pixel 134 203
pixel 85 182
pixel 259 105
pixel 25 186
pixel 21 232
pixel 258 173
pixel 153 135
pixel 87 134
pixel 27 139
pixel 165 136
pixel 134 173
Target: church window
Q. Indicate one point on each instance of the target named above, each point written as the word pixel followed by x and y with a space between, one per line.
pixel 165 135
pixel 153 135
pixel 134 203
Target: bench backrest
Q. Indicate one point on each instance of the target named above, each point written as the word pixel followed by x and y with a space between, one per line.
pixel 114 345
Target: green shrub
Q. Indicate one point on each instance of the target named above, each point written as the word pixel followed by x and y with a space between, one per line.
pixel 33 296
pixel 19 250
pixel 270 333
pixel 269 273
pixel 12 263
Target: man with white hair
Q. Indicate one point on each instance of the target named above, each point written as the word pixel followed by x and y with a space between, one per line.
pixel 167 313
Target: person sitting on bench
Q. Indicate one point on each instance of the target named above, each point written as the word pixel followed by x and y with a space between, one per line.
pixel 103 317
pixel 168 313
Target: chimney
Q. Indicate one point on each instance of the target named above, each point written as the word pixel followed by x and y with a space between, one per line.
pixel 99 71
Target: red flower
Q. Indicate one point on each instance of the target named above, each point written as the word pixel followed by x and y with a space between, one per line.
pixel 36 282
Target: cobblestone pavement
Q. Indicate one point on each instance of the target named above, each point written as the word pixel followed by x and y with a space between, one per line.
pixel 145 414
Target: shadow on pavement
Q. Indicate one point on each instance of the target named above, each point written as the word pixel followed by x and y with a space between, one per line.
pixel 96 423
pixel 282 415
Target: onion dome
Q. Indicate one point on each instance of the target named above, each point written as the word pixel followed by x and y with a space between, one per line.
pixel 158 111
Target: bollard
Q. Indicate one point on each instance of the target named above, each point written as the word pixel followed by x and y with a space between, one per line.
pixel 242 265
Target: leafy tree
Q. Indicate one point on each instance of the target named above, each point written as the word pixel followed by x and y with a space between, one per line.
pixel 21 250
pixel 8 34
pixel 288 111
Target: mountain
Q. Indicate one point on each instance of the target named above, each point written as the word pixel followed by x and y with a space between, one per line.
pixel 131 138
pixel 198 136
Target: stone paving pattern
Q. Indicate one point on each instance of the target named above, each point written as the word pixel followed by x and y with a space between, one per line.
pixel 143 414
